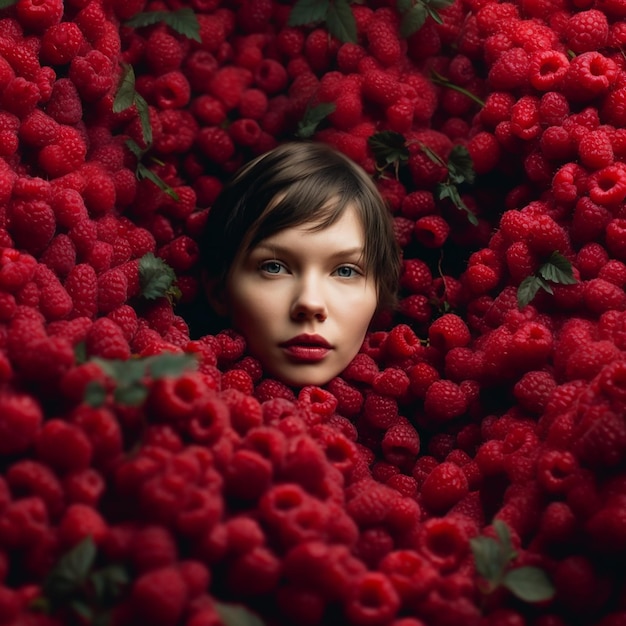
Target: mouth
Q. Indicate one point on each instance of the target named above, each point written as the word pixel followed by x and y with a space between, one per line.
pixel 306 348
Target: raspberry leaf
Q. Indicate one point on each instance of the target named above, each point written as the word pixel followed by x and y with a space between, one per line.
pixel 95 394
pixel 144 118
pixel 183 21
pixel 558 270
pixel 313 116
pixel 7 3
pixel 413 19
pixel 388 148
pixel 487 553
pixel 461 166
pixel 156 277
pixel 305 12
pixel 133 394
pixel 71 572
pixel 169 364
pixel 340 21
pixel 236 615
pixel 528 289
pixel 108 582
pixel 438 79
pixel 450 191
pixel 145 172
pixel 530 584
pixel 125 96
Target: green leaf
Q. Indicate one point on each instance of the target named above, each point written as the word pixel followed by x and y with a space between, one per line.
pixel 404 5
pixel 528 289
pixel 133 394
pixel 4 4
pixel 461 166
pixel 80 352
pixel 438 79
pixel 440 4
pixel 108 583
pixel 71 571
pixel 487 557
pixel 448 190
pixel 122 371
pixel 312 117
pixel 413 20
pixel 144 118
pixel 305 12
pixel 169 364
pixel 125 96
pixel 95 394
pixel 388 148
pixel 340 22
pixel 504 537
pixel 236 615
pixel 530 584
pixel 156 277
pixel 134 148
pixel 146 172
pixel 183 21
pixel 558 270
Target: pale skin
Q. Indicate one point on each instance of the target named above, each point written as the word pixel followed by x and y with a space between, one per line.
pixel 303 300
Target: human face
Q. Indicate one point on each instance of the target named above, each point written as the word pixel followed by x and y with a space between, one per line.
pixel 303 300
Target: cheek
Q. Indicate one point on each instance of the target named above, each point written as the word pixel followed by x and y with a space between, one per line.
pixel 251 310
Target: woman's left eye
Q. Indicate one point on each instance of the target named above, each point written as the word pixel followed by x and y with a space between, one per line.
pixel 345 271
pixel 272 267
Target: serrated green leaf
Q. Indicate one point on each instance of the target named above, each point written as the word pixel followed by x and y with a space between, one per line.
pixel 183 21
pixel 461 166
pixel 133 394
pixel 558 270
pixel 4 4
pixel 530 584
pixel 312 118
pixel 412 20
pixel 404 5
pixel 388 147
pixel 305 12
pixel 340 22
pixel 487 557
pixel 504 537
pixel 236 615
pixel 144 118
pixel 71 571
pixel 122 371
pixel 527 290
pixel 156 277
pixel 169 364
pixel 125 96
pixel 80 352
pixel 450 191
pixel 95 394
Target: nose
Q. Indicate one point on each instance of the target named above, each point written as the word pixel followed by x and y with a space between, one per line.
pixel 309 302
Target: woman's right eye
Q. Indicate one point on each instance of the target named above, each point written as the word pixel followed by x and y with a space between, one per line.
pixel 272 267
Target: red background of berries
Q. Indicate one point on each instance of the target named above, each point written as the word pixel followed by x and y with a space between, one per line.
pixel 353 504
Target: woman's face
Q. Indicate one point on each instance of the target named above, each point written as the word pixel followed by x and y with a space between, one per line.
pixel 303 301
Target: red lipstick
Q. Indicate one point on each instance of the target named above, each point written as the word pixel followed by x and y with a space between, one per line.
pixel 306 348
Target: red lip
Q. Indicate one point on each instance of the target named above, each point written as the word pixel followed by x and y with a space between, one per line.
pixel 314 341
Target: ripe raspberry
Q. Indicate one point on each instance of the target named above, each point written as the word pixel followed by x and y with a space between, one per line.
pixel 444 400
pixel 55 302
pixel 447 332
pixel 38 129
pixel 20 420
pixel 392 382
pixel 61 43
pixel 216 144
pixel 171 90
pixel 444 487
pixel 64 156
pixel 163 52
pixel 92 74
pixel 151 605
pixel 380 411
pixel 586 31
pixel 82 286
pixel 105 339
pixel 589 75
pixel 320 50
pixel 20 96
pixel 401 445
pixel 32 224
pixel 401 342
pixel 510 71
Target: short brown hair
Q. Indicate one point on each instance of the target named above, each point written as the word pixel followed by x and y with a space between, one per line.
pixel 296 183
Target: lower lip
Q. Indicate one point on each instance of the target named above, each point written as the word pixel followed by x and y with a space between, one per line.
pixel 306 354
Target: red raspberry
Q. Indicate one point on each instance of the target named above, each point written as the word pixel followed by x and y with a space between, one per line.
pixel 20 421
pixel 112 290
pixel 320 50
pixel 32 224
pixel 30 478
pixel 55 302
pixel 228 85
pixel 216 144
pixel 510 71
pixel 270 76
pixel 401 342
pixel 445 400
pixel 444 487
pixel 38 129
pixel 106 340
pixel 64 156
pixel 92 74
pixel 590 75
pixel 431 231
pixel 380 411
pixel 416 307
pixel 383 41
pixel 401 445
pixel 171 90
pixel 586 31
pixel 63 446
pixel 82 286
pixel 416 276
pixel 151 605
pixel 349 399
pixel 391 382
pixel 447 332
pixel 61 43
pixel 163 52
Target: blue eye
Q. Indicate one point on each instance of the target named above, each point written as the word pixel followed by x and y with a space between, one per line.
pixel 345 271
pixel 272 267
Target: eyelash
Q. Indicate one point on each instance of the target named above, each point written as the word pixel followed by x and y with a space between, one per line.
pixel 264 268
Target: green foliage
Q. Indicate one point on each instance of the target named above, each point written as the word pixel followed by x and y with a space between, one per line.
pixel 438 79
pixel 236 615
pixel 129 376
pixel 557 270
pixel 493 559
pixel 336 14
pixel 143 171
pixel 183 21
pixel 415 12
pixel 75 584
pixel 313 116
pixel 5 4
pixel 156 278
pixel 389 149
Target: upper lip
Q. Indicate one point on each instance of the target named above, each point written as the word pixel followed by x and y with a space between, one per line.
pixel 307 340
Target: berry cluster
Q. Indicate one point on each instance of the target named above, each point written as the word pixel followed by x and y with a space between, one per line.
pixel 466 468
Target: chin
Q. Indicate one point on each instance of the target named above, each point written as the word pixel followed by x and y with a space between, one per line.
pixel 303 379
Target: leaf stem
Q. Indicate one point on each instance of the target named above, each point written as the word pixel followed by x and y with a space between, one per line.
pixel 438 79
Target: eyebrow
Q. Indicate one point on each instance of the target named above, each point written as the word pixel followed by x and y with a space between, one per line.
pixel 348 252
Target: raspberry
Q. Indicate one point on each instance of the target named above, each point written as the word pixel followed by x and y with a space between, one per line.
pixel 92 74
pixel 444 487
pixel 401 444
pixel 216 144
pixel 20 96
pixel 391 382
pixel 447 332
pixel 30 478
pixel 65 155
pixel 586 31
pixel 151 605
pixel 20 422
pixel 163 52
pixel 444 400
pixel 401 342
pixel 383 42
pixel 112 290
pixel 106 340
pixel 510 71
pixel 589 75
pixel 228 85
pixel 38 129
pixel 319 50
pixel 171 90
pixel 32 224
pixel 82 286
pixel 55 301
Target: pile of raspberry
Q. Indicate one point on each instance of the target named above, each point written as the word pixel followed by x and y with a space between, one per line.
pixel 479 435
